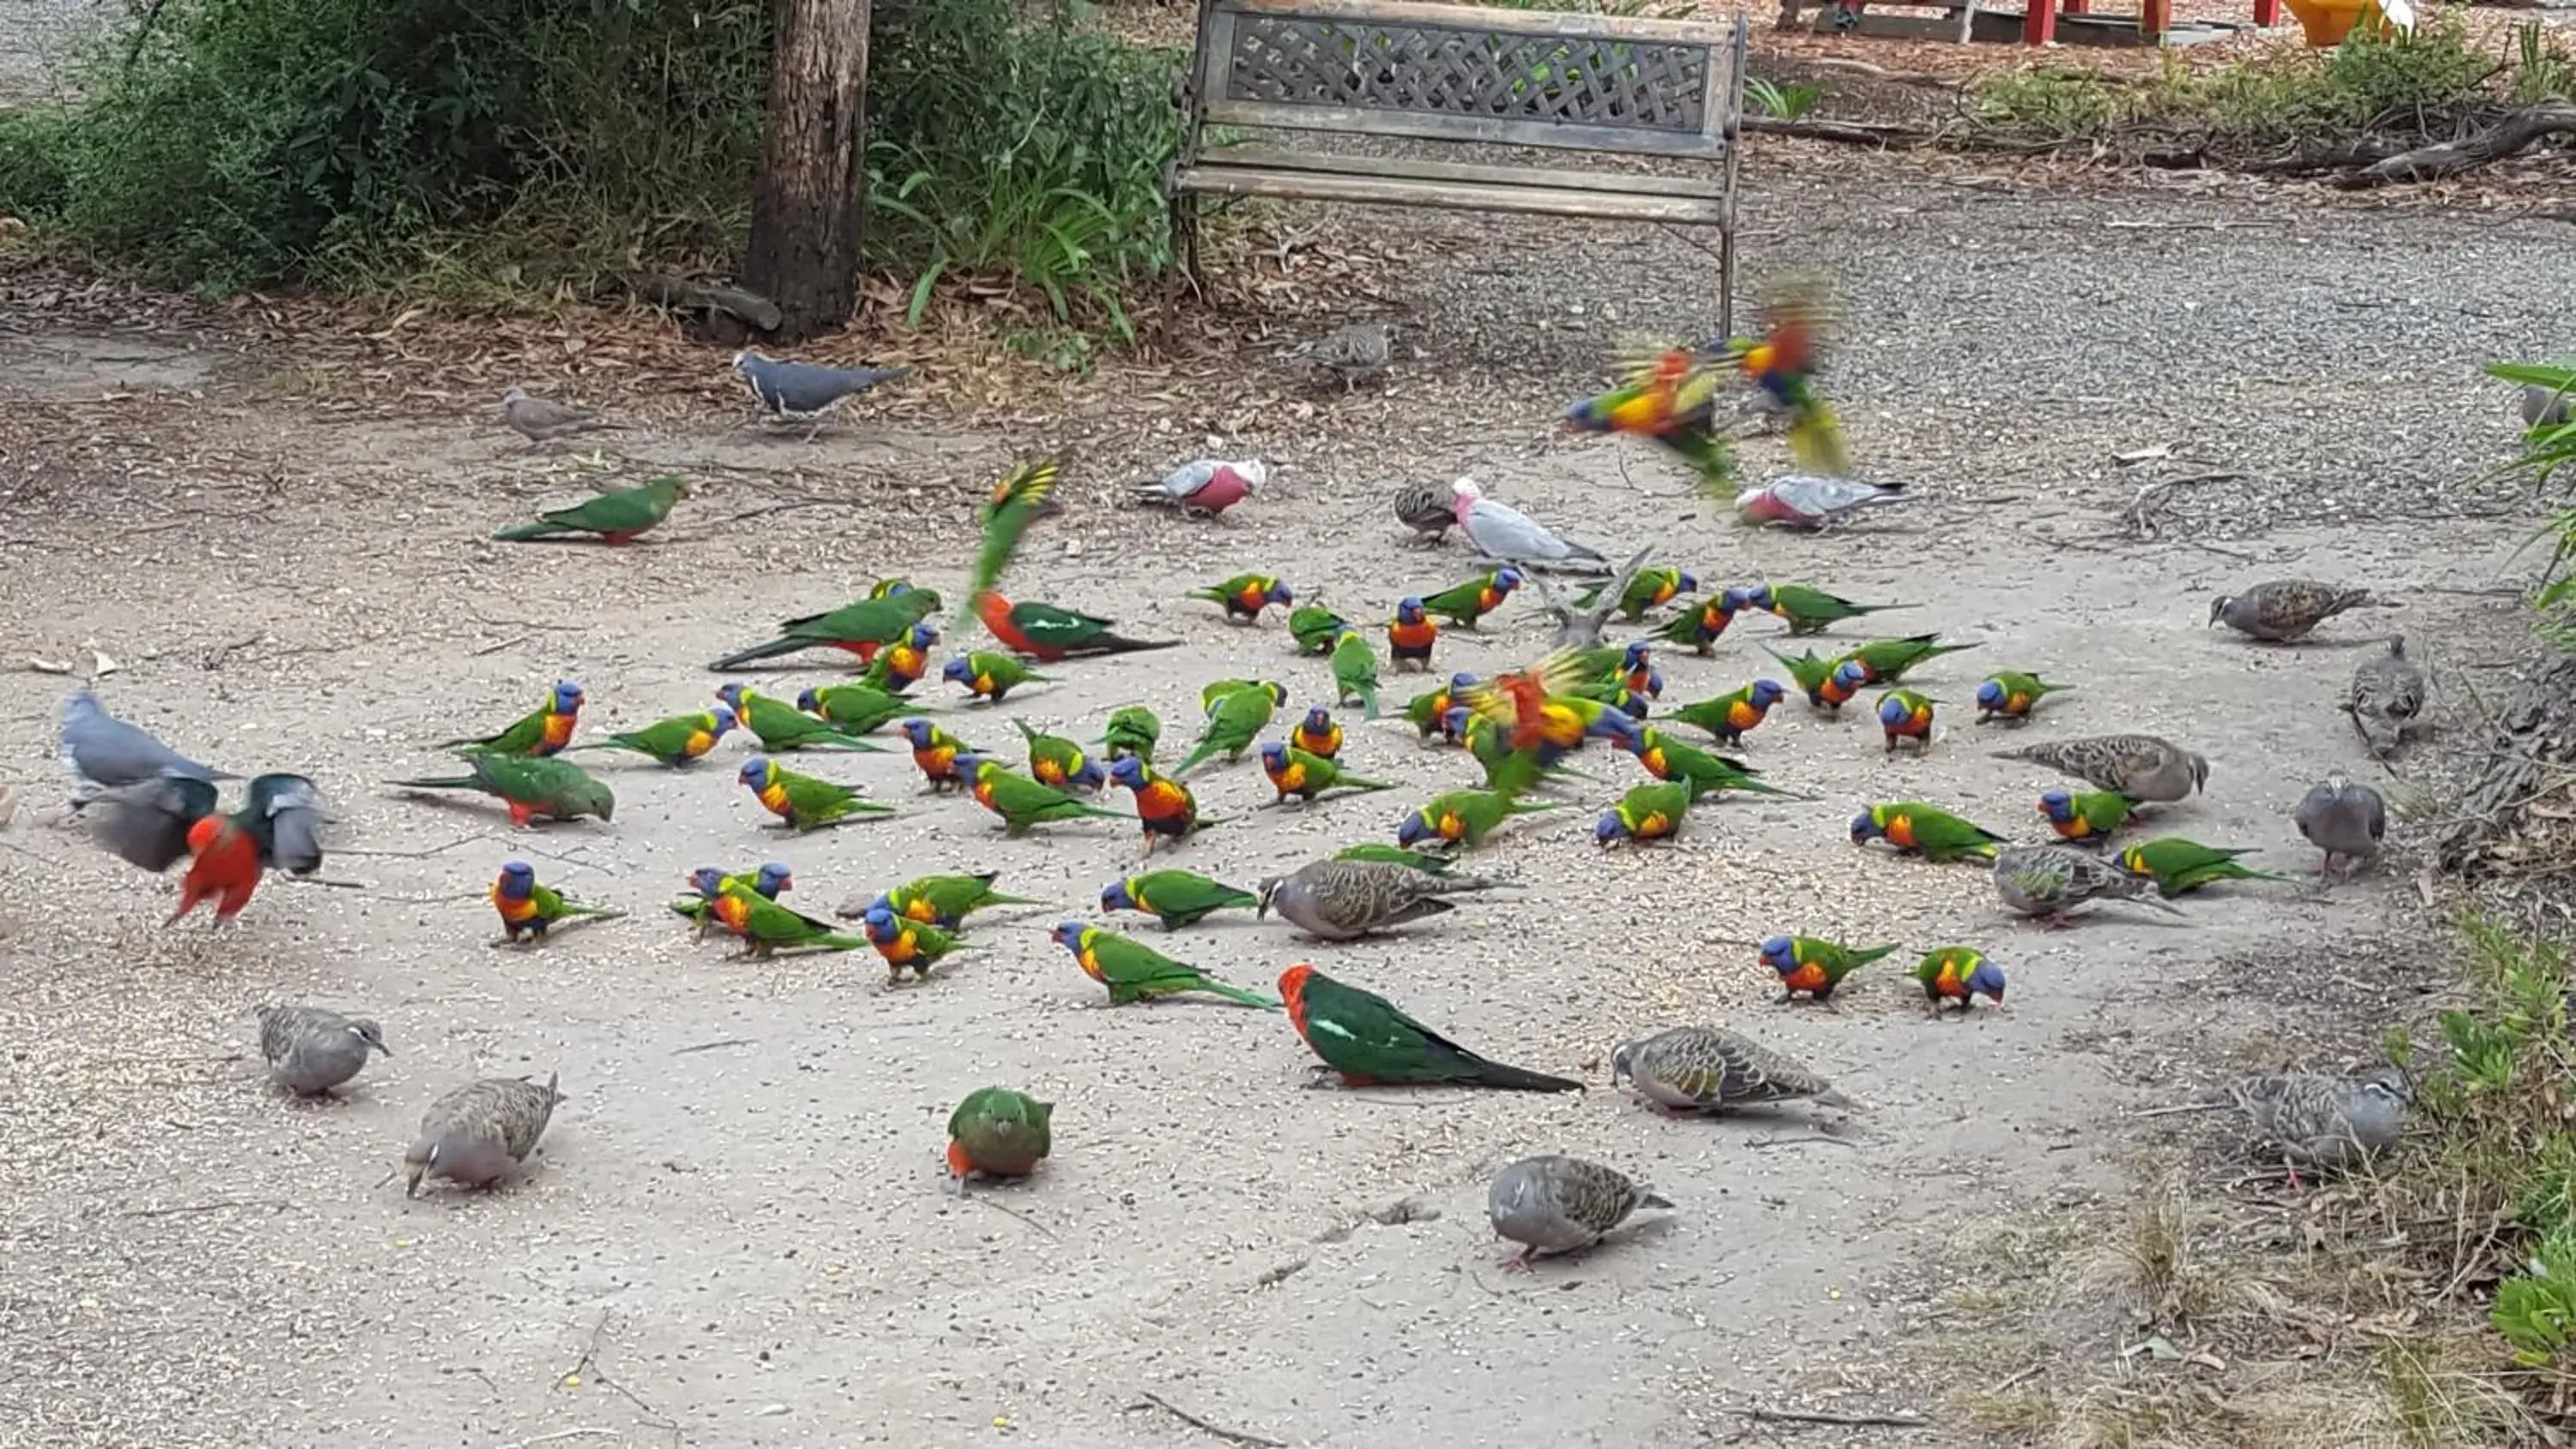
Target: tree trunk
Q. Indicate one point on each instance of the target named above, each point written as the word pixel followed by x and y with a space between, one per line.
pixel 805 211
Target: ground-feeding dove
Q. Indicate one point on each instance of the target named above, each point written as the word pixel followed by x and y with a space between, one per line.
pixel 1353 354
pixel 101 752
pixel 1553 1204
pixel 1205 488
pixel 479 1133
pixel 1424 508
pixel 2145 768
pixel 2387 694
pixel 310 1050
pixel 1711 1069
pixel 1503 532
pixel 2047 881
pixel 806 392
pixel 2543 405
pixel 2326 1123
pixel 1339 900
pixel 1811 501
pixel 541 420
pixel 2345 819
pixel 2282 610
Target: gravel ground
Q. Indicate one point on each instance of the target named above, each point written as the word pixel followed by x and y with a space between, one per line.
pixel 736 1233
pixel 38 36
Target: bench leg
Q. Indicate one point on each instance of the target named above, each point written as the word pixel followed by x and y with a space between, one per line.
pixel 1725 285
pixel 2039 22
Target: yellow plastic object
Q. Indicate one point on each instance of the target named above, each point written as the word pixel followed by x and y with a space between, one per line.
pixel 2327 22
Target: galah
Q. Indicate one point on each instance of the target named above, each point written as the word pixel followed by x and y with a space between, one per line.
pixel 1501 531
pixel 1207 487
pixel 1811 501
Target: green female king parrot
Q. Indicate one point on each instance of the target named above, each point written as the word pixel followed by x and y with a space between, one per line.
pixel 617 515
pixel 1234 719
pixel 555 789
pixel 999 1133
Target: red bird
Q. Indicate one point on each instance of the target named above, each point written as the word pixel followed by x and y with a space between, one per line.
pixel 156 822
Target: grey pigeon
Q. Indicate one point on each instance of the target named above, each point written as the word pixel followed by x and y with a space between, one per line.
pixel 805 392
pixel 1353 354
pixel 1341 900
pixel 479 1133
pixel 2284 610
pixel 2047 881
pixel 2546 406
pixel 1581 628
pixel 1810 501
pixel 2326 1123
pixel 1503 532
pixel 1711 1069
pixel 310 1050
pixel 542 421
pixel 100 752
pixel 2387 694
pixel 2345 819
pixel 146 823
pixel 1424 508
pixel 1553 1204
pixel 2145 768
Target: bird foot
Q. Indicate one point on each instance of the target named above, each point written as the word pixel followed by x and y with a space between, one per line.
pixel 1518 1263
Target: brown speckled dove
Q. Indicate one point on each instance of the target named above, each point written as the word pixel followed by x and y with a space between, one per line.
pixel 2143 767
pixel 2326 1123
pixel 540 420
pixel 1339 900
pixel 1711 1069
pixel 479 1133
pixel 310 1050
pixel 1553 1204
pixel 2386 695
pixel 2283 610
pixel 2046 881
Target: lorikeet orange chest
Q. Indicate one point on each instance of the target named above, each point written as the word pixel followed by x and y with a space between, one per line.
pixel 1948 982
pixel 1832 692
pixel 1088 959
pixel 934 763
pixel 1809 976
pixel 904 665
pixel 1164 806
pixel 901 948
pixel 700 741
pixel 1328 743
pixel 1489 598
pixel 2073 827
pixel 514 909
pixel 1916 721
pixel 1412 640
pixel 558 733
pixel 1744 714
pixel 1050 772
pixel 1289 777
pixel 982 790
pixel 1655 826
pixel 735 913
pixel 1900 832
pixel 1653 759
pixel 773 796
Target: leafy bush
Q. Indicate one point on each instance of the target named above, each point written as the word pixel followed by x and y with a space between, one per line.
pixel 2549 450
pixel 1785 101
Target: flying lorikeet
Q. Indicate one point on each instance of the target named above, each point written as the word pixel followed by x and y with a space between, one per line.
pixel 907 943
pixel 856 709
pixel 935 752
pixel 1646 812
pixel 534 735
pixel 1245 595
pixel 1355 672
pixel 674 742
pixel 780 726
pixel 1647 588
pixel 990 676
pixel 1697 629
pixel 1666 395
pixel 1425 710
pixel 1958 973
pixel 1058 761
pixel 2182 866
pixel 709 882
pixel 860 628
pixel 1166 807
pixel 1175 897
pixel 944 901
pixel 1903 715
pixel 1133 729
pixel 1705 771
pixel 1808 611
pixel 1235 718
pixel 803 801
pixel 1048 634
pixel 999 1133
pixel 617 515
pixel 1614 692
pixel 2086 816
pixel 1369 1042
pixel 530 910
pixel 1314 628
pixel 1317 734
pixel 555 789
pixel 901 663
pixel 1885 661
pixel 1134 971
pixel 1024 496
pixel 1461 818
pixel 1795 316
pixel 153 823
pixel 1507 771
pixel 766 926
pixel 1916 828
pixel 1294 772
pixel 2010 696
pixel 1731 716
pixel 1474 599
pixel 1814 965
pixel 1410 635
pixel 1539 717
pixel 1021 802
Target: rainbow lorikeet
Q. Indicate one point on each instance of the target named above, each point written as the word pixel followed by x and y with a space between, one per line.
pixel 2085 816
pixel 2011 695
pixel 2182 866
pixel 1235 717
pixel 1466 603
pixel 709 882
pixel 1814 965
pixel 1020 801
pixel 905 943
pixel 901 663
pixel 1806 610
pixel 860 628
pixel 1049 634
pixel 1461 818
pixel 674 742
pixel 989 676
pixel 1958 973
pixel 1646 812
pixel 529 910
pixel 1507 771
pixel 856 709
pixel 1539 713
pixel 1426 711
pixel 1915 828
pixel 1814 676
pixel 1782 364
pixel 1058 761
pixel 1313 628
pixel 1731 716
pixel 1903 715
pixel 1885 661
pixel 999 1133
pixel 1647 589
pixel 1133 729
pixel 1244 596
pixel 1134 971
pixel 766 927
pixel 617 515
pixel 1355 672
pixel 1296 774
pixel 153 823
pixel 555 789
pixel 1025 495
pixel 1636 669
pixel 538 733
pixel 780 726
pixel 805 802
pixel 1698 628
pixel 935 752
pixel 1369 1042
pixel 1175 897
pixel 1666 395
pixel 1166 807
pixel 1410 635
pixel 1705 771
pixel 1317 734
pixel 944 901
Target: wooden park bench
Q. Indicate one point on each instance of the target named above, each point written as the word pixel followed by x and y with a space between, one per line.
pixel 1299 73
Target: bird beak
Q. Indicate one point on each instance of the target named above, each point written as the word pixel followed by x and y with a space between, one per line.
pixel 411 1181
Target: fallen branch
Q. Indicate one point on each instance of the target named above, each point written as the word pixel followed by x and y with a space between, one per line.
pixel 1848 1421
pixel 683 294
pixel 2449 158
pixel 1849 133
pixel 1203 1426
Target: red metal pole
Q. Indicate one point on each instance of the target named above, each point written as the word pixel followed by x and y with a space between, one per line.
pixel 2039 22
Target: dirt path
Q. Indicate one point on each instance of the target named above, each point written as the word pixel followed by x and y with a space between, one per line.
pixel 736 1233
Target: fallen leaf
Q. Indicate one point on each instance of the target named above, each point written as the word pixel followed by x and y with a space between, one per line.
pixel 48 666
pixel 2143 455
pixel 101 666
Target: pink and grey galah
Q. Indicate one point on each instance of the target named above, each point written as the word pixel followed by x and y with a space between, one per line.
pixel 1806 500
pixel 1208 486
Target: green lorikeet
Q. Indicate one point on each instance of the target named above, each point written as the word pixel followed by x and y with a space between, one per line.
pixel 1370 1042
pixel 1235 717
pixel 1646 812
pixel 887 588
pixel 1023 497
pixel 2011 695
pixel 900 664
pixel 2182 866
pixel 989 676
pixel 1706 772
pixel 1165 806
pixel 1295 773
pixel 1134 971
pixel 617 515
pixel 1958 973
pixel 2086 817
pixel 1916 828
pixel 1410 636
pixel 1245 595
pixel 1814 676
pixel 1355 672
pixel 1461 818
pixel 1507 771
pixel 1424 710
pixel 999 1133
pixel 1885 661
pixel 805 802
pixel 1175 897
pixel 1314 628
pixel 529 910
pixel 1810 611
pixel 1730 717
pixel 1647 589
pixel 1317 734
pixel 1397 855
pixel 860 628
pixel 767 927
pixel 709 883
pixel 1058 761
pixel 1132 730
pixel 781 726
pixel 902 943
pixel 1021 802
pixel 944 901
pixel 555 789
pixel 538 733
pixel 1699 627
pixel 1474 599
pixel 1666 394
pixel 1905 715
pixel 1046 633
pixel 673 742
pixel 935 752
pixel 1814 965
pixel 856 709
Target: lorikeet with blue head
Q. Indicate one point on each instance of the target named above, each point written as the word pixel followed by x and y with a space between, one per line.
pixel 1706 772
pixel 529 910
pixel 990 676
pixel 672 742
pixel 935 753
pixel 1134 971
pixel 944 901
pixel 2086 817
pixel 1428 711
pixel 1410 635
pixel 1731 716
pixel 1666 395
pixel 1058 761
pixel 902 943
pixel 1903 715
pixel 804 802
pixel 1174 897
pixel 1916 828
pixel 1960 974
pixel 710 881
pixel 1637 670
pixel 1295 773
pixel 1699 627
pixel 856 709
pixel 1166 807
pixel 1464 604
pixel 1244 596
pixel 1460 818
pixel 1019 800
pixel 2011 695
pixel 534 735
pixel 1646 812
pixel 1814 965
pixel 904 659
pixel 1317 734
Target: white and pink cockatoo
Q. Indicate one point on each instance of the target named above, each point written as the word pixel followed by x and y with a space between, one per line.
pixel 1503 532
pixel 1208 486
pixel 1810 501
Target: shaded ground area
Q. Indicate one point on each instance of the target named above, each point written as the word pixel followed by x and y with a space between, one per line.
pixel 736 1233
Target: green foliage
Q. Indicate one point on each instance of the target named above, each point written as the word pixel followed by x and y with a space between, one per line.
pixel 2548 452
pixel 2536 1310
pixel 1784 102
